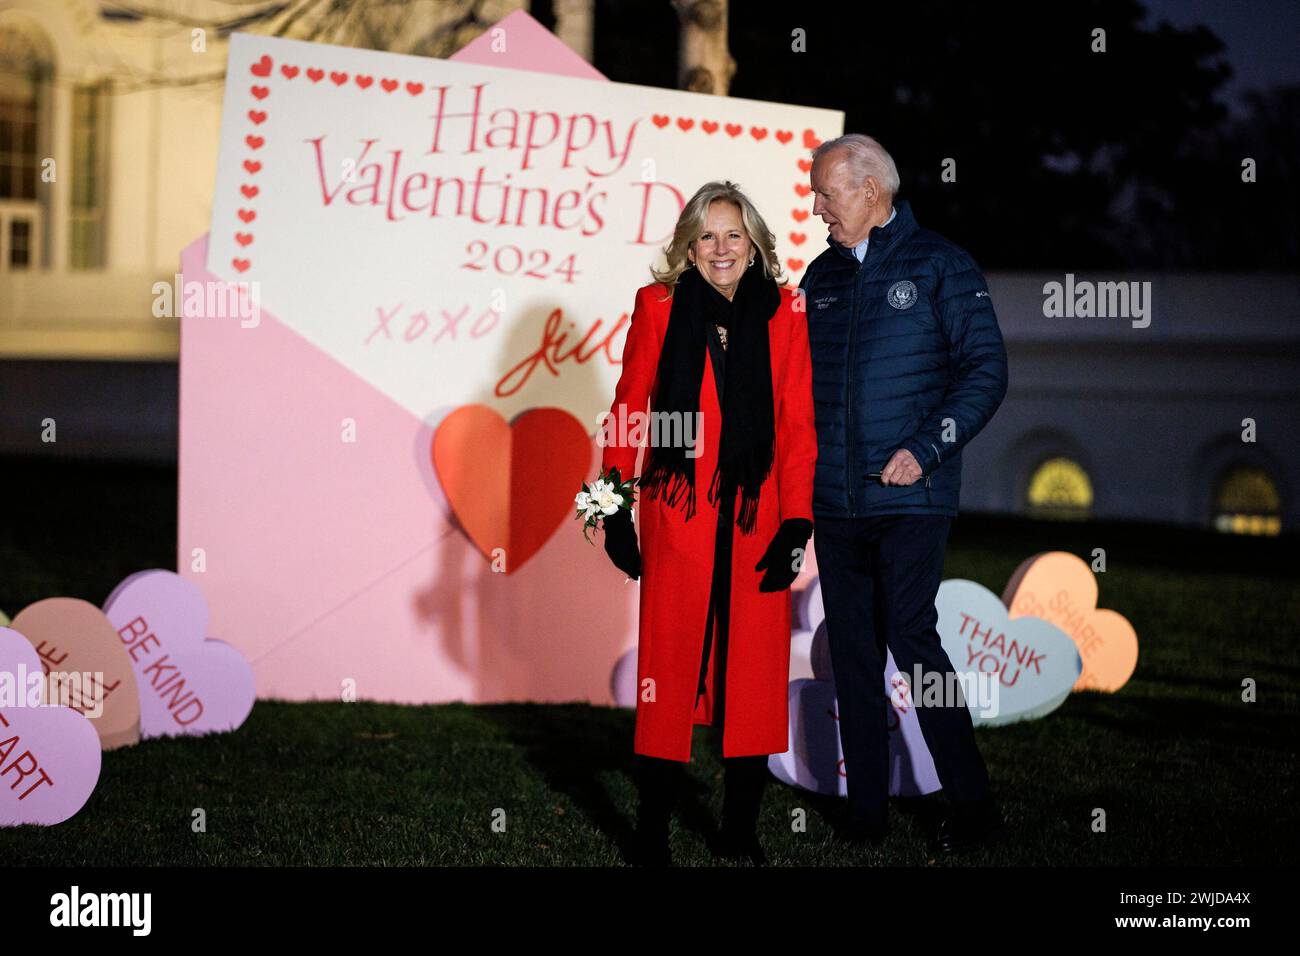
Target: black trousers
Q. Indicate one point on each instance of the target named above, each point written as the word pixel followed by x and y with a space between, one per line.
pixel 879 578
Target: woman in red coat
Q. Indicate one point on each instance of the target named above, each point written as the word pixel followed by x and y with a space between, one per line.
pixel 716 342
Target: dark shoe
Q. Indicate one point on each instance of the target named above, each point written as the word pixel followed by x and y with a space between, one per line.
pixel 743 781
pixel 657 783
pixel 969 826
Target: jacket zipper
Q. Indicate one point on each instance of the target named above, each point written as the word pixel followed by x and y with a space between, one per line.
pixel 938 460
pixel 850 470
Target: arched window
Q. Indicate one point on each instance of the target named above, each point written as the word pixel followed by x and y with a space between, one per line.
pixel 1246 501
pixel 1059 488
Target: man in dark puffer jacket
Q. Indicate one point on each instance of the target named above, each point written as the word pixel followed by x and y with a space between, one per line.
pixel 908 365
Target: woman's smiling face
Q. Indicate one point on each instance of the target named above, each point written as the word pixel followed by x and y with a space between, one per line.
pixel 722 251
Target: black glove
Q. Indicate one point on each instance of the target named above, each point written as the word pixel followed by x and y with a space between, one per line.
pixel 779 556
pixel 620 542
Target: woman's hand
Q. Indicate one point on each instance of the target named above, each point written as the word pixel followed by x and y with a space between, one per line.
pixel 779 558
pixel 621 544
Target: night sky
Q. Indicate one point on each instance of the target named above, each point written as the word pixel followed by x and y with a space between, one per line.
pixel 1262 37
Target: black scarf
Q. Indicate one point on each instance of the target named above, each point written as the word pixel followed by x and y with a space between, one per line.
pixel 748 430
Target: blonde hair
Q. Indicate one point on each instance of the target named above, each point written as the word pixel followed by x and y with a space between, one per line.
pixel 690 224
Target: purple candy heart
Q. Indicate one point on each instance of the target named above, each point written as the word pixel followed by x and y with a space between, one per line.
pixel 189 683
pixel 49 756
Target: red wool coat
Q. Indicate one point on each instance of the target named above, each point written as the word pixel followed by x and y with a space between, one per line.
pixel 677 555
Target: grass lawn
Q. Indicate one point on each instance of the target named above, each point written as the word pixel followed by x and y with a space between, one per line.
pixel 1186 772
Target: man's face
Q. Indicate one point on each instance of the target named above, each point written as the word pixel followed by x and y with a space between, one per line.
pixel 846 208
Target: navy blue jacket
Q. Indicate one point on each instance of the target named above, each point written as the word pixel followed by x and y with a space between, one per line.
pixel 906 353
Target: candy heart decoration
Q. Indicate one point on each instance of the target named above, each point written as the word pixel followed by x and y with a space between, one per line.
pixel 511 485
pixel 1060 587
pixel 814 729
pixel 801 645
pixel 189 683
pixel 49 756
pixel 622 682
pixel 814 759
pixel 819 654
pixel 74 636
pixel 1015 669
pixel 806 606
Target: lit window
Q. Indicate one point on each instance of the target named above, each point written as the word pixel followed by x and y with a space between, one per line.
pixel 1246 502
pixel 1059 489
pixel 86 201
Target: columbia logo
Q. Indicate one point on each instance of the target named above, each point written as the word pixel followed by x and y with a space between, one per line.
pixel 981 295
pixel 826 301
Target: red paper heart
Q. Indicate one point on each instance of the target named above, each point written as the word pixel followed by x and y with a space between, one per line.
pixel 262 67
pixel 243 238
pixel 685 123
pixel 809 140
pixel 257 116
pixel 364 81
pixel 802 189
pixel 659 120
pixel 734 129
pixel 784 135
pixel 511 485
pixel 252 165
pixel 799 214
pixel 240 264
pixel 794 264
pixel 254 142
pixel 249 191
pixel 260 92
pixel 389 85
pixel 247 215
pixel 415 89
pixel 797 238
pixel 289 71
pixel 314 74
pixel 758 132
pixel 709 126
pixel 339 77
pixel 805 164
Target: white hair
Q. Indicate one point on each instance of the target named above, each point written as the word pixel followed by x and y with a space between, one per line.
pixel 865 157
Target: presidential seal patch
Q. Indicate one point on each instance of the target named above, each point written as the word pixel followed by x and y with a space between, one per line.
pixel 902 295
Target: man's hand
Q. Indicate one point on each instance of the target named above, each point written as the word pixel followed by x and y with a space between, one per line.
pixel 901 470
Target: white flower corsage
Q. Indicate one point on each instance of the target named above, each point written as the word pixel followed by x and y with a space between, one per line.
pixel 602 498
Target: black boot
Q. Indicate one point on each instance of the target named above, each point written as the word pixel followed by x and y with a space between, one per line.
pixel 657 783
pixel 743 781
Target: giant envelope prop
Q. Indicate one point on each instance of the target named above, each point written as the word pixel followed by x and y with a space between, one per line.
pixel 342 452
